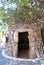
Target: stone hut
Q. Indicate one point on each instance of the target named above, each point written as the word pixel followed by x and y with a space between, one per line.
pixel 24 35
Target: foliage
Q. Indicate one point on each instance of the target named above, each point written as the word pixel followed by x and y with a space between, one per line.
pixel 3 28
pixel 25 10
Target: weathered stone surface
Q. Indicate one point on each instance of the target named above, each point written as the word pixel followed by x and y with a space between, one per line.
pixel 16 36
pixel 11 49
pixel 34 36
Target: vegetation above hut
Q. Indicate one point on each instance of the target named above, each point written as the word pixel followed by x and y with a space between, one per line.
pixel 12 11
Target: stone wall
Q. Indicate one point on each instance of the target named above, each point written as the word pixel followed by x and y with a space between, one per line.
pixel 34 36
pixel 11 49
pixel 35 44
pixel 11 46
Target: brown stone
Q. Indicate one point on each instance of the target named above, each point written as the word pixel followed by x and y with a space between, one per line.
pixel 34 36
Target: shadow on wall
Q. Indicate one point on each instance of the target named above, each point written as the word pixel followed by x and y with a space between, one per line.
pixel 42 34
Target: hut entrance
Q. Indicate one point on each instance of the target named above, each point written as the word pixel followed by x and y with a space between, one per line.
pixel 42 34
pixel 23 44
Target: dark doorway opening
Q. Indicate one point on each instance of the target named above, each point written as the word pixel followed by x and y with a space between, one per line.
pixel 42 35
pixel 23 44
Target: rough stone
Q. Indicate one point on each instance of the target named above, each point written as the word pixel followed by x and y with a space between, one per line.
pixel 34 36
